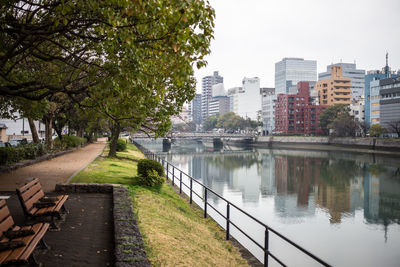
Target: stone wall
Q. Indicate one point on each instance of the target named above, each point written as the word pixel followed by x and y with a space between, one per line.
pixel 367 143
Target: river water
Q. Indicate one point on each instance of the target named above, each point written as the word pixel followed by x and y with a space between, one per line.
pixel 343 207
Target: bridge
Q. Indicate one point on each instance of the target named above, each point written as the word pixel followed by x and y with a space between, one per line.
pixel 216 140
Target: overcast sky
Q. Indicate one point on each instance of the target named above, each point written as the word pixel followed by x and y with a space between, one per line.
pixel 250 36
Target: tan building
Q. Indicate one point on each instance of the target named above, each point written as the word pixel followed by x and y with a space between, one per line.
pixel 335 90
pixel 3 135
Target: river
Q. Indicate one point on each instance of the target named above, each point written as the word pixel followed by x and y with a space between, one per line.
pixel 343 207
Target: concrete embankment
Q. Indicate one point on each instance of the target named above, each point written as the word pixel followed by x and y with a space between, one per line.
pixel 372 145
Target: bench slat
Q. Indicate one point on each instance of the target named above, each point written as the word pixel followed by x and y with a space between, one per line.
pixel 6 224
pixel 30 242
pixel 25 187
pixel 34 199
pixel 4 213
pixel 31 191
pixel 40 233
pixel 55 208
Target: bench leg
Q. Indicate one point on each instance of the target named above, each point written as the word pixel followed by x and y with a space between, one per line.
pixel 53 225
pixel 64 209
pixel 43 244
pixel 32 261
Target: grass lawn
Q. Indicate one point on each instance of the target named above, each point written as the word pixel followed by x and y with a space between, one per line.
pixel 174 233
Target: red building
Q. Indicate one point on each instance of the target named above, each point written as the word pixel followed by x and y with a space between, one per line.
pixel 295 114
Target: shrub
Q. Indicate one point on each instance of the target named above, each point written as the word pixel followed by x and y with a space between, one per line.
pixel 146 165
pixel 152 179
pixel 121 145
pixel 69 141
pixel 10 155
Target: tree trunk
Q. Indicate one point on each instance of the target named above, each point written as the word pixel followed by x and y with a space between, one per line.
pixel 58 130
pixel 48 119
pixel 114 139
pixel 91 137
pixel 35 136
pixel 80 132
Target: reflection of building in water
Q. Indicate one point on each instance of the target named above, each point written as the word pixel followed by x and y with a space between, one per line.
pixel 340 190
pixel 287 207
pixel 356 193
pixel 335 199
pixel 295 175
pixel 294 181
pixel 267 187
pixel 382 198
pixel 248 181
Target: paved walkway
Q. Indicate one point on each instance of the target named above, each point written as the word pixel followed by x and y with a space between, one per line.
pixel 54 171
pixel 85 237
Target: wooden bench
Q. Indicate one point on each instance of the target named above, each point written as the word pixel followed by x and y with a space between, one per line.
pixel 32 193
pixel 23 254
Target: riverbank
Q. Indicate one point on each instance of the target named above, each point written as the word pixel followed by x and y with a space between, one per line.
pixel 362 145
pixel 174 232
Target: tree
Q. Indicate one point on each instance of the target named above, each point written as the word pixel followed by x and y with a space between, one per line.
pixel 52 46
pixel 363 128
pixel 210 123
pixel 376 130
pixel 394 126
pixel 344 126
pixel 132 59
pixel 331 115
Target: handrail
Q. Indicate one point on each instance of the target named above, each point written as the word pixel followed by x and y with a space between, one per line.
pixel 265 248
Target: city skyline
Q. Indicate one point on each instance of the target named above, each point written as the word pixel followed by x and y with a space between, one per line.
pixel 251 38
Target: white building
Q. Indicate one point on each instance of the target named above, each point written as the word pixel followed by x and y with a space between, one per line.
pixel 357 110
pixel 182 117
pixel 249 102
pixel 233 94
pixel 219 103
pixel 267 109
pixel 349 70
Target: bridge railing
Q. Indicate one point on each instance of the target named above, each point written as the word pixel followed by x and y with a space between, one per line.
pixel 175 175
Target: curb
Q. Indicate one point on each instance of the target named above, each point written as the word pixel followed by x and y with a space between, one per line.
pixel 128 243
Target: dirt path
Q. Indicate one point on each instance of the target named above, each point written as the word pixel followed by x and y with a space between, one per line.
pixel 54 171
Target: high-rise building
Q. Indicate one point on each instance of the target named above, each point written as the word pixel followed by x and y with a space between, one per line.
pixel 385 101
pixel 206 84
pixel 249 102
pixel 295 113
pixel 219 103
pixel 334 90
pixel 267 109
pixel 374 102
pixel 290 71
pixel 373 75
pixel 349 70
pixel 195 109
pixel 233 94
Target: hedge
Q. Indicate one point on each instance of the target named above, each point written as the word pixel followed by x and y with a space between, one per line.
pixel 10 155
pixel 68 141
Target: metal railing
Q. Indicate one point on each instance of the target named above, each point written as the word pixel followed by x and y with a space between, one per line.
pixel 171 174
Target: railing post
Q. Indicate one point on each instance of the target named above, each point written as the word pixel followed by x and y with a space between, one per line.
pixel 167 169
pixel 173 175
pixel 180 183
pixel 205 202
pixel 227 220
pixel 266 248
pixel 191 189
